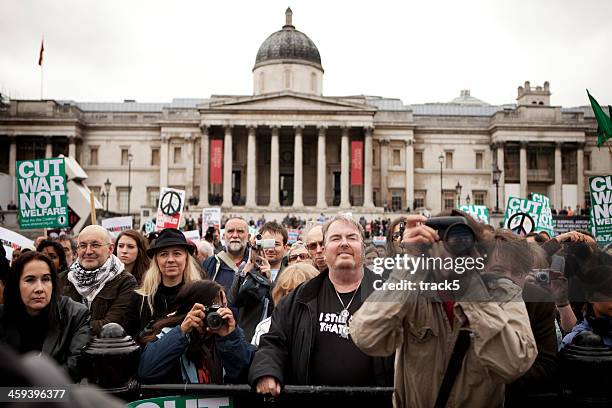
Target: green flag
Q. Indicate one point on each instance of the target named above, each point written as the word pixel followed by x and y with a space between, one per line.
pixel 604 123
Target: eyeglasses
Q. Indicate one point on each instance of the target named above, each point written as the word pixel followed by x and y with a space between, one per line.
pixel 94 245
pixel 313 245
pixel 301 257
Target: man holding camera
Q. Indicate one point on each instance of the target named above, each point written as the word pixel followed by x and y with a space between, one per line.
pixel 308 342
pixel 457 347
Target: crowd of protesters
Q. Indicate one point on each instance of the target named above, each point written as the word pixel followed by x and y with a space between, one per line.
pixel 311 312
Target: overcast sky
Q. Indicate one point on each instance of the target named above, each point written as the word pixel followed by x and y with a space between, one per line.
pixel 419 51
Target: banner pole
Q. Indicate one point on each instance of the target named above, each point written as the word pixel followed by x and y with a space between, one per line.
pixel 92 208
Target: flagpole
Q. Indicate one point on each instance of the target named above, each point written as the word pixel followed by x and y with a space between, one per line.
pixel 41 82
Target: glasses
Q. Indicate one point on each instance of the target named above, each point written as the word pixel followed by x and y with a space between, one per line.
pixel 314 245
pixel 301 257
pixel 94 245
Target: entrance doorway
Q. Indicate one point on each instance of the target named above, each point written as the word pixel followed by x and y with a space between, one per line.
pixel 286 189
pixel 336 188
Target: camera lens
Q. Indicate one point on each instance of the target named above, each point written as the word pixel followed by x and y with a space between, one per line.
pixel 214 321
pixel 459 238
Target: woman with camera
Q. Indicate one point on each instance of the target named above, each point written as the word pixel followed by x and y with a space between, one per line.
pixel 172 266
pixel 198 342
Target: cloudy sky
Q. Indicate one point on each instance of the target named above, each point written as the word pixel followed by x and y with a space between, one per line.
pixel 416 50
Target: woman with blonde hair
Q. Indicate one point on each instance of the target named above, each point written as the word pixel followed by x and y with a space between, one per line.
pixel 291 278
pixel 171 267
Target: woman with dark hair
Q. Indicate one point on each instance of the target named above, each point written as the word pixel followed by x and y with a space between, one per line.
pixel 55 252
pixel 184 348
pixel 131 248
pixel 35 317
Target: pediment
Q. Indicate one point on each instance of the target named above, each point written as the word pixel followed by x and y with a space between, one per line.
pixel 287 101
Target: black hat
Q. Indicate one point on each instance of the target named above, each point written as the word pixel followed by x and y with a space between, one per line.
pixel 167 238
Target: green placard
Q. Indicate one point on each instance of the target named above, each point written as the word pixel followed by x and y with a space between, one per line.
pixel 601 207
pixel 479 212
pixel 41 193
pixel 183 401
pixel 545 222
pixel 516 205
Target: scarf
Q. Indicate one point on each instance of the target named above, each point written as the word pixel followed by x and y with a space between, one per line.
pixel 90 283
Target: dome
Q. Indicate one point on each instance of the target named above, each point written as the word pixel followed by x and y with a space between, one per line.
pixel 466 99
pixel 288 44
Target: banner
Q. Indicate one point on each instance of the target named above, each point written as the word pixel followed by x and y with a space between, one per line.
pixel 565 223
pixel 211 217
pixel 601 206
pixel 545 222
pixel 118 224
pixel 193 235
pixel 12 240
pixel 183 401
pixel 293 235
pixel 356 163
pixel 216 162
pixel 41 194
pixel 170 208
pixel 522 215
pixel 479 212
pixel 379 240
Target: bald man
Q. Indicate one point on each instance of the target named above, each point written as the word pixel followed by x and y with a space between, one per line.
pixel 98 280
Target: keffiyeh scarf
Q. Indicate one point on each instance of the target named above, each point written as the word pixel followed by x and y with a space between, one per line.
pixel 90 283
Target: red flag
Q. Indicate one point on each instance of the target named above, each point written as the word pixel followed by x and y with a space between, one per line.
pixel 216 162
pixel 42 48
pixel 356 163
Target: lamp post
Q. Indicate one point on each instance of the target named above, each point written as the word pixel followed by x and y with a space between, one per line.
pixel 107 186
pixel 130 158
pixel 441 160
pixel 458 188
pixel 468 199
pixel 496 176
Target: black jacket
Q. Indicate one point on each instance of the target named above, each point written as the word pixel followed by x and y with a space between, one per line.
pixel 284 352
pixel 64 341
pixel 139 314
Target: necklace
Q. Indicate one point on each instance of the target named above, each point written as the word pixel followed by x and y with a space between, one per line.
pixel 344 313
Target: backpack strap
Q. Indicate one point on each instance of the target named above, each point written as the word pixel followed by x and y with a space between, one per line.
pixel 454 366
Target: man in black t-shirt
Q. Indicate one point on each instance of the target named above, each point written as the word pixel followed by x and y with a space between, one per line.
pixel 295 352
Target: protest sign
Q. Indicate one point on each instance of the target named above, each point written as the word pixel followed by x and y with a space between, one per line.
pixel 522 215
pixel 41 189
pixel 12 240
pixel 293 235
pixel 170 208
pixel 601 207
pixel 379 240
pixel 193 235
pixel 564 223
pixel 117 224
pixel 211 217
pixel 148 227
pixel 479 212
pixel 545 222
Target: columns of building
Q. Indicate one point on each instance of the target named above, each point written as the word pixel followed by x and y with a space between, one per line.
pixel 345 163
pixel 204 158
pixel 274 169
pixel 523 170
pixel 227 167
pixel 251 200
pixel 580 175
pixel 298 169
pixel 502 177
pixel 321 169
pixel 163 161
pixel 367 176
pixel 189 140
pixel 384 168
pixel 71 147
pixel 48 147
pixel 558 201
pixel 409 173
pixel 13 156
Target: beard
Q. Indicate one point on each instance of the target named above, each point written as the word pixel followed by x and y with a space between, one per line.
pixel 235 248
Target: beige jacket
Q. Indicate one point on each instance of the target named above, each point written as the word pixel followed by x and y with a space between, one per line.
pixel 502 346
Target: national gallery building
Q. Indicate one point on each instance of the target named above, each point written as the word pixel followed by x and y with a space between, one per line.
pixel 288 148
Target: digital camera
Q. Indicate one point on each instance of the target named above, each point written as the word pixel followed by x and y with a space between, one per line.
pixel 213 319
pixel 542 276
pixel 458 237
pixel 261 243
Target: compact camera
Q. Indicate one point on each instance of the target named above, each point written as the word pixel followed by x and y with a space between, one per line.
pixel 542 276
pixel 454 231
pixel 213 319
pixel 261 243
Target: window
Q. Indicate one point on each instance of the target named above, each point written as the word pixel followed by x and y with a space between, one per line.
pixel 449 199
pixel 587 161
pixel 177 154
pixel 568 165
pixel 124 156
pixel 449 160
pixel 93 156
pixel 152 196
pixel 96 190
pixel 155 156
pixel 122 199
pixel 479 160
pixel 396 157
pixel 480 197
pixel 419 198
pixel 418 160
pixel 396 200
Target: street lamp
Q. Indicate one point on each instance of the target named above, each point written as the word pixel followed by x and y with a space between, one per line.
pixel 458 188
pixel 107 186
pixel 496 176
pixel 441 160
pixel 130 158
pixel 468 199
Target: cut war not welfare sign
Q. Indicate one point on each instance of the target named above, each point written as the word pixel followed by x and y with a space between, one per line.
pixel 41 194
pixel 601 207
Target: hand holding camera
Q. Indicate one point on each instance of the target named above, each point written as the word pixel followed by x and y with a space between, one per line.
pixel 416 232
pixel 219 320
pixel 194 320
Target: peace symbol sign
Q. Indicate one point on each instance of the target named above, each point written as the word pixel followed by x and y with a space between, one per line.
pixel 170 203
pixel 521 224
